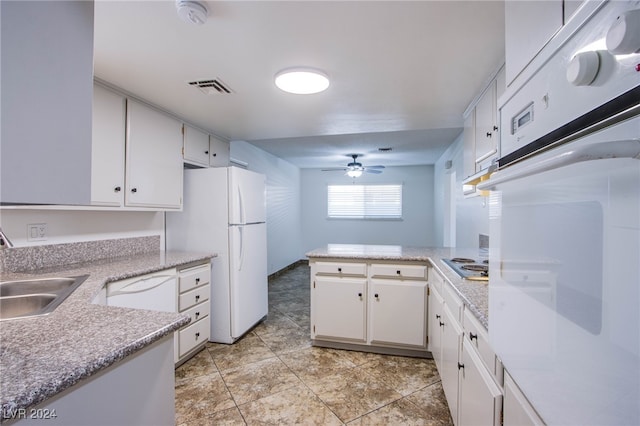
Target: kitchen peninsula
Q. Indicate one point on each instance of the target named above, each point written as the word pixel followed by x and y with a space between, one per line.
pixel 407 301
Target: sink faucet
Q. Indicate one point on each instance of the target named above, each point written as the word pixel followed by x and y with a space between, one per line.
pixel 5 242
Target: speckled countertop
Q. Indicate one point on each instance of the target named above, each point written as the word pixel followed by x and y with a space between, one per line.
pixel 474 294
pixel 42 356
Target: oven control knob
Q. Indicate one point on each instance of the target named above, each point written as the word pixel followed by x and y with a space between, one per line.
pixel 624 35
pixel 583 68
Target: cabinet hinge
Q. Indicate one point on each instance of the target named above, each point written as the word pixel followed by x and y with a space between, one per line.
pixel 427 340
pixel 428 291
pixel 314 328
pixel 183 129
pixel 314 284
pixel 182 150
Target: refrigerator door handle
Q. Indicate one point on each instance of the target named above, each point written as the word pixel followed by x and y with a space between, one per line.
pixel 241 248
pixel 241 206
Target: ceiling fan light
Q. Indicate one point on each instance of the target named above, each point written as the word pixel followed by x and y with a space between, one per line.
pixel 354 173
pixel 302 81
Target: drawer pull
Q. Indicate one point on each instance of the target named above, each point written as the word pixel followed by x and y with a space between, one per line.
pixel 197 314
pixel 359 294
pixel 473 336
pixel 339 269
pixel 197 335
pixel 197 281
pixel 398 272
pixel 376 296
pixel 197 297
pixel 460 366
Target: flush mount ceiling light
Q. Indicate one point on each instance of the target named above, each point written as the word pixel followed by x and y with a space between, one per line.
pixel 192 12
pixel 302 81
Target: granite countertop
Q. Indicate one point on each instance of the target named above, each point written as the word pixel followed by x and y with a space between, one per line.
pixel 474 294
pixel 41 356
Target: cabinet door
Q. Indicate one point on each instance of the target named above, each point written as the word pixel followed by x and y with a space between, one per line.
pixel 529 25
pixel 469 140
pixel 486 125
pixel 451 342
pixel 219 155
pixel 435 329
pixel 154 158
pixel 196 147
pixel 480 398
pixel 107 149
pixel 338 308
pixel 398 312
pixel 517 409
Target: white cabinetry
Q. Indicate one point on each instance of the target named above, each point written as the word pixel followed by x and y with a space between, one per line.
pixel 469 144
pixel 196 146
pixel 467 365
pixel 194 287
pixel 339 308
pixel 486 128
pixel 154 158
pixel 219 152
pixel 517 409
pixel 529 25
pixel 108 148
pixel 47 79
pixel 376 306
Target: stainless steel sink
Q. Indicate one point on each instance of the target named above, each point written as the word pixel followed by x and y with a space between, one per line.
pixel 28 298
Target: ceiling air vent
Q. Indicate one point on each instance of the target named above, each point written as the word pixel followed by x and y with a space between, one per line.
pixel 211 87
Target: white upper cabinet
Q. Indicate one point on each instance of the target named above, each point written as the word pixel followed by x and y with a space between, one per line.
pixel 219 152
pixel 529 25
pixel 108 147
pixel 196 147
pixel 47 86
pixel 154 158
pixel 486 131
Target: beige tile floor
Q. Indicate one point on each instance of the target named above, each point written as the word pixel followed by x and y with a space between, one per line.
pixel 274 376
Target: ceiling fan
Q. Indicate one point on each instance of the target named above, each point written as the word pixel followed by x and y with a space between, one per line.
pixel 355 169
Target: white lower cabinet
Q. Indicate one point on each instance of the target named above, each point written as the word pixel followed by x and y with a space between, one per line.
pixel 517 409
pixel 194 288
pixel 467 365
pixel 480 398
pixel 398 312
pixel 380 306
pixel 339 308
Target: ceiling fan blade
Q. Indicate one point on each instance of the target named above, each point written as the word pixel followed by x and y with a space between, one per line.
pixel 376 171
pixel 374 167
pixel 334 169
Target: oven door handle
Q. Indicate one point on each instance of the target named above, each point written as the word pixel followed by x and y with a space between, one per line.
pixel 600 151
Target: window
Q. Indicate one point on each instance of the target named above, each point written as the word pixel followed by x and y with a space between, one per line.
pixel 364 201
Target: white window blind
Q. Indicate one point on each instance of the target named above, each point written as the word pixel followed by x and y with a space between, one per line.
pixel 364 201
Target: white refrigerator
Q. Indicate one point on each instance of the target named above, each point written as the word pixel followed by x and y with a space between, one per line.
pixel 224 212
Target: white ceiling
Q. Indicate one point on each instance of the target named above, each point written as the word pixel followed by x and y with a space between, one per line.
pixel 402 73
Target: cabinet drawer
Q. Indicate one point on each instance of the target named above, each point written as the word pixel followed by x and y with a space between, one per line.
pixel 452 299
pixel 193 335
pixel 194 277
pixel 341 268
pixel 418 272
pixel 193 297
pixel 199 311
pixel 478 337
pixel 436 281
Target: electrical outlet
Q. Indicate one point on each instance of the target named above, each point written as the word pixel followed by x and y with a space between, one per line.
pixel 37 232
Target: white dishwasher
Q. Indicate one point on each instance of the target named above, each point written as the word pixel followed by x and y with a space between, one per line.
pixel 156 292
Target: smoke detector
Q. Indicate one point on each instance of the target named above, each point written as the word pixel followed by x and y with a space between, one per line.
pixel 192 12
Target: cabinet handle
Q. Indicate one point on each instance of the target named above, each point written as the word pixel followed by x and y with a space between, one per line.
pixel 495 128
pixel 473 336
pixel 376 296
pixel 197 314
pixel 398 272
pixel 206 152
pixel 359 294
pixel 460 366
pixel 197 297
pixel 198 335
pixel 134 190
pixel 214 154
pixel 488 134
pixel 197 281
pixel 117 189
pixel 339 269
pixel 441 323
pixel 438 316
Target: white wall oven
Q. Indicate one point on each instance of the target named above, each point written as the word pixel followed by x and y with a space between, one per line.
pixel 564 289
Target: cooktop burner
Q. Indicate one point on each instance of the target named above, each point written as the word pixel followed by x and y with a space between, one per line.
pixel 469 269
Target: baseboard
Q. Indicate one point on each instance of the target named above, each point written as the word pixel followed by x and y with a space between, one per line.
pixel 415 353
pixel 288 268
